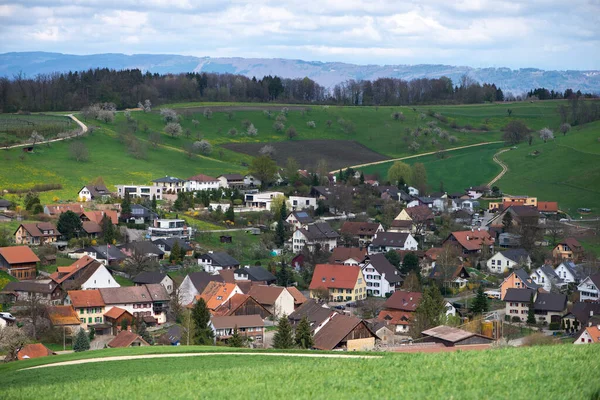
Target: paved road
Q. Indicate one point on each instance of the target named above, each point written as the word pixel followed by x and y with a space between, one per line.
pixel 504 167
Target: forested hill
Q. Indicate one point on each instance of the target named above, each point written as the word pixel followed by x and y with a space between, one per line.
pixel 325 74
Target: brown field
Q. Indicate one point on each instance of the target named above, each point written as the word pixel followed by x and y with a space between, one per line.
pixel 337 153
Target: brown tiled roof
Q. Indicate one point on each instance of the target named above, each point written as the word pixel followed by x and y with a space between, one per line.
pixel 360 228
pixel 29 287
pixel 573 244
pixel 90 227
pixel 62 315
pixel 228 275
pixel 134 294
pixel 265 294
pixel 202 178
pixel 96 216
pixel 36 229
pixel 115 312
pixel 125 339
pixel 334 331
pixel 35 350
pixel 299 298
pixel 216 293
pixel 246 285
pixel 241 321
pixel 472 240
pixel 61 208
pixel 64 273
pixel 433 253
pixel 401 223
pixel 235 302
pixel 86 298
pixel 18 255
pixel 344 253
pixel 547 206
pixel 420 213
pixel 395 317
pixel 335 276
pixel 405 301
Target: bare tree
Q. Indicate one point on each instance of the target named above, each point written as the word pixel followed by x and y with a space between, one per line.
pixel 554 230
pixel 79 151
pixel 139 262
pixel 232 132
pixel 267 150
pixel 12 339
pixel 565 128
pixel 278 126
pixel 173 129
pixel 291 132
pixel 35 138
pixel 155 138
pixel 207 113
pixel 195 122
pixel 230 115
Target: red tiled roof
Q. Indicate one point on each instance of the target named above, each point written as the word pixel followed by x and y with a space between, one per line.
pixel 86 298
pixel 61 208
pixel 472 240
pixel 360 228
pixel 405 301
pixel 548 206
pixel 344 253
pixel 299 298
pixel 433 253
pixel 96 216
pixel 18 255
pixel 395 317
pixel 335 276
pixel 91 227
pixel 64 273
pixel 216 293
pixel 594 333
pixel 62 315
pixel 115 312
pixel 125 339
pixel 35 350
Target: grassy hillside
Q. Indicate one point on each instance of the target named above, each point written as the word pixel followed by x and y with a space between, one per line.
pixel 566 170
pixel 559 372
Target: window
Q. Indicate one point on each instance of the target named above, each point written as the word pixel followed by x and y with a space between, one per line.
pixel 81 310
pixel 89 320
pixel 82 320
pixel 493 262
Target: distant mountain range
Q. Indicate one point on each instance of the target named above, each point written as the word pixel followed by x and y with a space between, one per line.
pixel 325 73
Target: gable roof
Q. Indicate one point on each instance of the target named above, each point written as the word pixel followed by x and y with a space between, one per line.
pixel 232 177
pixel 149 277
pixel 61 208
pixel 62 315
pixel 392 239
pixel 518 295
pixel 134 294
pixel 526 279
pixel 29 287
pixel 299 298
pixel 64 273
pixel 168 243
pixel 595 278
pixel 550 273
pixel 547 206
pixel 18 255
pixel 97 190
pixel 138 210
pixel 5 203
pixel 319 231
pixel 573 269
pixel 36 229
pixel 257 274
pixel 115 312
pixel 314 312
pixel 302 217
pixel 341 254
pixel 550 302
pixel 202 178
pixel 125 339
pixel 228 275
pixel 360 228
pixel 516 255
pixel 221 259
pixel 419 213
pixel 97 216
pixel 241 321
pixel 572 243
pixel 395 317
pixel 472 240
pixel 334 276
pixel 383 266
pixel 202 278
pixel 34 350
pixel 335 330
pixel 438 273
pixel 236 301
pixel 144 247
pixel 216 293
pixel 86 298
pixel 114 253
pixel 91 227
pixel 405 301
pixel 450 334
pixel 593 332
pixel 266 295
pixel 433 253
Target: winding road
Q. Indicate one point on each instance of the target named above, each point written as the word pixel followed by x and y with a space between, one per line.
pixel 504 167
pixel 83 127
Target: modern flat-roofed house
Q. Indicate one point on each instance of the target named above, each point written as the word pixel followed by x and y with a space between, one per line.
pixel 201 182
pixel 19 261
pixel 170 184
pixel 141 191
pixel 169 228
pixel 260 201
pixel 302 203
pixel 37 233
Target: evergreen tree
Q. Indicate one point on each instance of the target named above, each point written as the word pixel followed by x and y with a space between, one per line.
pixel 315 180
pixel 283 337
pixel 124 324
pixel 280 234
pixel 235 340
pixel 507 221
pixel 126 206
pixel 153 205
pixel 82 342
pixel 394 258
pixel 284 275
pixel 203 334
pixel 175 255
pixel 303 337
pixel 143 332
pixel 108 229
pixel 531 313
pixel 429 312
pixel 480 304
pixel 229 214
pixel 362 178
pixel 92 333
pixel 283 211
pixel 69 225
pixel 410 264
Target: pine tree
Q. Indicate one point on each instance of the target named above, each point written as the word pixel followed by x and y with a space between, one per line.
pixel 235 340
pixel 531 313
pixel 203 334
pixel 283 211
pixel 303 337
pixel 480 304
pixel 108 229
pixel 280 234
pixel 82 342
pixel 284 275
pixel 126 206
pixel 229 214
pixel 283 337
pixel 124 324
pixel 175 253
pixel 315 180
pixel 429 312
pixel 362 178
pixel 153 204
pixel 143 332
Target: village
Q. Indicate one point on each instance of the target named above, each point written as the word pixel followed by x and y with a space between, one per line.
pixel 348 263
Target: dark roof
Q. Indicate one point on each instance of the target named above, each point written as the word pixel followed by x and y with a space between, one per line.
pixel 149 277
pixel 401 300
pixel 574 269
pixel 302 217
pixel 221 259
pixel 88 271
pixel 241 321
pixel 525 211
pixel 526 279
pixel 516 255
pixel 168 179
pixel 341 254
pixel 383 266
pixel 201 279
pixel 550 273
pixel 550 302
pixel 595 279
pixel 4 203
pixel 36 229
pixel 232 177
pixel 113 252
pixel 335 330
pixel 393 239
pixel 360 228
pixel 138 210
pixel 583 311
pixel 97 190
pixel 519 295
pixel 420 213
pixel 30 287
pixel 170 242
pixel 439 273
pixel 257 274
pixel 313 311
pixel 143 247
pixel 125 339
pixel 319 231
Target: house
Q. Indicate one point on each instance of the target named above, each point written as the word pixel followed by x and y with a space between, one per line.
pixel 506 260
pixel 6 319
pixel 276 299
pixel 251 327
pixel 169 228
pixel 582 314
pixel 299 298
pixel 569 272
pixel 362 232
pixel 568 249
pixel 170 184
pixel 254 274
pixel 476 192
pixel 19 261
pixel 546 277
pixel 146 302
pixel 380 275
pixel 508 200
pixel 393 193
pixel 386 241
pixel 590 334
pixel 166 245
pixel 85 273
pixel 242 304
pixel 251 181
pixel 299 219
pixel 548 307
pixel 348 255
pixel 46 291
pixel 54 210
pixel 470 242
pixel 340 282
pixel 106 254
pixel 521 215
pixel 231 181
pixel 214 262
pixel 34 350
pixel 260 201
pixel 141 215
pixel 450 336
pixel 317 235
pixel 217 293
pixel 302 203
pixel 399 308
pixel 451 276
pixel 431 256
pixel 345 332
pixel 384 331
pixel 518 279
pixel 194 284
pixel 88 305
pixel 93 192
pixel 64 317
pixel 201 182
pixel 127 339
pixel 140 191
pixel 173 336
pixel 37 233
pixel 155 277
pixel 91 229
pixel 547 207
pixel 115 317
pixel 143 248
pixel 467 205
pixel 508 240
pixel 589 288
pixel 5 205
pixel 316 314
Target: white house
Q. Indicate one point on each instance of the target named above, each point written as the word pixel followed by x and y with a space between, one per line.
pixel 170 184
pixel 413 191
pixel 142 191
pixel 504 261
pixel 590 334
pixel 546 277
pixel 386 241
pixel 317 234
pixel 93 192
pixel 251 181
pixel 301 202
pixel 168 228
pixel 589 288
pixel 568 272
pixel 201 182
pixel 194 284
pixel 141 301
pixel 100 278
pixel 450 309
pixel 475 192
pixel 276 299
pixel 260 201
pixel 299 219
pixel 213 262
pixel 214 206
pixel 380 275
pixel 151 277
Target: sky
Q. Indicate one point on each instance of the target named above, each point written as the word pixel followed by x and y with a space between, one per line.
pixel 547 34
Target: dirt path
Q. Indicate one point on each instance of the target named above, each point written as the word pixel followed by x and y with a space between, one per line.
pixel 147 356
pixel 504 167
pixel 83 127
pixel 414 156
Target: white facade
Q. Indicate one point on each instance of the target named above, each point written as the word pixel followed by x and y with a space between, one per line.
pixel 284 305
pixel 168 284
pixel 565 274
pixel 377 285
pixel 251 181
pixel 540 277
pixel 302 203
pixel 450 309
pixel 100 279
pixel 143 191
pixel 187 291
pixel 409 244
pixel 413 191
pixel 299 241
pixel 84 194
pixel 413 203
pixel 193 186
pixel 224 206
pixel 141 309
pixel 588 290
pixel 584 338
pixel 517 309
pixel 292 220
pixel 168 228
pixel 498 263
pixel 260 201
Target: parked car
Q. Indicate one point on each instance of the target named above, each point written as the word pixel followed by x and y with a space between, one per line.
pixel 340 307
pixel 351 304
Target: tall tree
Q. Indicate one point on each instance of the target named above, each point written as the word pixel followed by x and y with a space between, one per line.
pixel 304 338
pixel 480 304
pixel 283 337
pixel 230 214
pixel 507 222
pixel 263 168
pixel 203 334
pixel 69 225
pixel 126 206
pixel 280 233
pixel 394 258
pixel 153 204
pixel 419 178
pixel 176 253
pixel 284 275
pixel 411 283
pixel 429 312
pixel 235 340
pixel 82 342
pixel 143 332
pixel 399 171
pixel 410 263
pixel 531 312
pixel 108 230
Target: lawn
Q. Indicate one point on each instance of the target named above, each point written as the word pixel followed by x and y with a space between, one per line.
pixel 245 247
pixel 532 373
pixel 122 280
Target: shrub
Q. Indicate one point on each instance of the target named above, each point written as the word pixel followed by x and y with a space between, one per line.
pixel 516 319
pixel 538 339
pixel 278 126
pixel 554 326
pixel 311 124
pixel 251 130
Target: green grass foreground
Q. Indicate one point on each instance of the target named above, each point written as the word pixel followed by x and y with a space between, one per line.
pixel 560 372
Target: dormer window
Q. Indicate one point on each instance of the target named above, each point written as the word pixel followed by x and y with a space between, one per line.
pixel 323 279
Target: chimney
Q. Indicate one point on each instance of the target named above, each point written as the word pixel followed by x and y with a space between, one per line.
pixel 467 237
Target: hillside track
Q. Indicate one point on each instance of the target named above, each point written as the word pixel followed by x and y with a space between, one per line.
pixel 504 167
pixel 83 127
